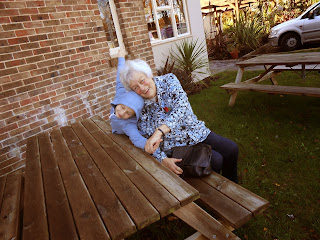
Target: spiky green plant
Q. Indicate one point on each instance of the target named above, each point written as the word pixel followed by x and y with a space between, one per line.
pixel 190 57
pixel 246 33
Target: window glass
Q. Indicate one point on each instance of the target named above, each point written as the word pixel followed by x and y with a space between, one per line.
pixel 162 3
pixel 317 12
pixel 180 17
pixel 108 23
pixel 153 34
pixel 165 24
pixel 159 14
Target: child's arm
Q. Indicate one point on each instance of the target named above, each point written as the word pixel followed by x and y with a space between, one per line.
pixel 131 130
pixel 121 60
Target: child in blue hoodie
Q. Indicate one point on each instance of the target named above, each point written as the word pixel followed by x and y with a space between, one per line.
pixel 126 109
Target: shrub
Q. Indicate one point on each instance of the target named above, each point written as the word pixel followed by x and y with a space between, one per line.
pixel 246 33
pixel 190 57
pixel 217 47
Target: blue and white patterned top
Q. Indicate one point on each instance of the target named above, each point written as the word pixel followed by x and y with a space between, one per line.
pixel 174 110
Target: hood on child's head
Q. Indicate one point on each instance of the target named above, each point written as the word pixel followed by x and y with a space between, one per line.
pixel 131 100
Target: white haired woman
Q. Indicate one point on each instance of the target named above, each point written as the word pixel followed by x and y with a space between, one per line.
pixel 168 114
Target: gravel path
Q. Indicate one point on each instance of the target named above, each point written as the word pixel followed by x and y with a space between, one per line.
pixel 217 66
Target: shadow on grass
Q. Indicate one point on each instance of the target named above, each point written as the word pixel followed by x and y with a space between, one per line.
pixel 278 137
pixel 279 142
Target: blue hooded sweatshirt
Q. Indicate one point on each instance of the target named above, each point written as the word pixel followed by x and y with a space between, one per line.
pixel 132 100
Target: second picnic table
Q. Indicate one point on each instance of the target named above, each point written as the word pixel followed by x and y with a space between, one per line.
pixel 275 64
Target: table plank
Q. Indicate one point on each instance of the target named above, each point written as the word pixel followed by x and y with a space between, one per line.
pixel 35 224
pixel 115 217
pixel 10 207
pixel 270 75
pixel 175 185
pixel 159 197
pixel 61 225
pixel 282 59
pixel 141 211
pixel 237 193
pixel 196 217
pixel 291 90
pixel 83 208
pixel 197 236
pixel 230 212
pixel 2 185
pixel 311 67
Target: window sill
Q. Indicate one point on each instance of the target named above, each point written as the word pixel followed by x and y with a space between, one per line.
pixel 168 40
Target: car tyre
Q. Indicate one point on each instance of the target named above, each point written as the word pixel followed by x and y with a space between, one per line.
pixel 290 42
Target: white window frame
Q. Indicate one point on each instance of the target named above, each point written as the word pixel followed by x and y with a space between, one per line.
pixel 169 7
pixel 114 51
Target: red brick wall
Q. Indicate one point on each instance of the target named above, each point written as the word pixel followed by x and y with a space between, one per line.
pixel 55 67
pixel 134 29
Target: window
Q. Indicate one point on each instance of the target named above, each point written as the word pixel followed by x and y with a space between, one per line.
pixel 317 11
pixel 166 19
pixel 111 25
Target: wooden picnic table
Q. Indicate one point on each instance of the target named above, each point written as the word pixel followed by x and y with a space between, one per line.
pixel 83 182
pixel 274 65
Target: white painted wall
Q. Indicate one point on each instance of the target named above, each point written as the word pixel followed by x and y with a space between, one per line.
pixel 161 49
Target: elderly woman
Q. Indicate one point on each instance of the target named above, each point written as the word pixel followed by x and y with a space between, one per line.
pixel 168 114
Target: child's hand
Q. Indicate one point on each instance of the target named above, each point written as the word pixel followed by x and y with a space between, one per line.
pixel 152 147
pixel 153 141
pixel 122 51
pixel 156 145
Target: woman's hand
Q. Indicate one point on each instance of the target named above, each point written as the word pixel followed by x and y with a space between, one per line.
pixel 171 164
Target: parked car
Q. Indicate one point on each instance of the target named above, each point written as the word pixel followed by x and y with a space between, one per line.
pixel 290 35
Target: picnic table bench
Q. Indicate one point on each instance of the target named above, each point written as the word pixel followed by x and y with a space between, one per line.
pixel 83 182
pixel 274 65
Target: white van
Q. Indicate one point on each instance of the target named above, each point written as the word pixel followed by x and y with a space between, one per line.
pixel 291 34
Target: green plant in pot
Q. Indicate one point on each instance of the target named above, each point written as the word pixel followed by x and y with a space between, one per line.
pixel 233 49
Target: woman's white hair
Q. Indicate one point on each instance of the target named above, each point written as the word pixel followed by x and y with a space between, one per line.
pixel 132 66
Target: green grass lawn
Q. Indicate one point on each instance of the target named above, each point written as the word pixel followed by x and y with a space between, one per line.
pixel 279 142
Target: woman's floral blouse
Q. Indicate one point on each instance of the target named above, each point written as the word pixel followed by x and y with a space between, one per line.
pixel 174 110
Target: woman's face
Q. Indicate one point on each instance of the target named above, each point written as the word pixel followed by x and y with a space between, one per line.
pixel 143 85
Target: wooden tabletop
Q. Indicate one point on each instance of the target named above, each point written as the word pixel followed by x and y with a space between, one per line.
pixel 285 59
pixel 83 182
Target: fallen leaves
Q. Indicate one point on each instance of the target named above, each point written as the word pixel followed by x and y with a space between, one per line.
pixel 291 216
pixel 172 218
